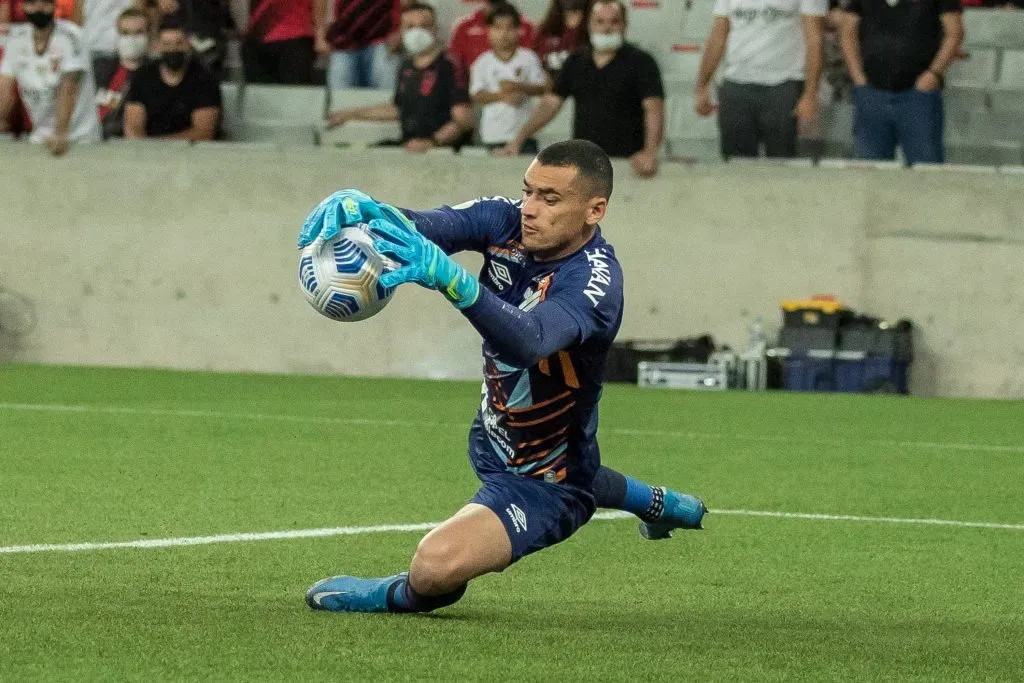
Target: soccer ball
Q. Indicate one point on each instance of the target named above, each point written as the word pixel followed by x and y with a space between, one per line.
pixel 339 275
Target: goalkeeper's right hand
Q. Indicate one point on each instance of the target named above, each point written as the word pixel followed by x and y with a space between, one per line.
pixel 345 208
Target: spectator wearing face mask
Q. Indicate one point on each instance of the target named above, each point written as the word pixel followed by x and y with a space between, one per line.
pixel 469 36
pixel 620 100
pixel 207 23
pixel 14 11
pixel 114 82
pixel 174 98
pixel 560 34
pixel 99 29
pixel 431 101
pixel 46 59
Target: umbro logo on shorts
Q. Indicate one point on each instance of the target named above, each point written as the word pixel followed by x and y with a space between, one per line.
pixel 517 516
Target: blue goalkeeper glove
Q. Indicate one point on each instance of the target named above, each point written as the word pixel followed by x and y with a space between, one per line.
pixel 422 262
pixel 345 208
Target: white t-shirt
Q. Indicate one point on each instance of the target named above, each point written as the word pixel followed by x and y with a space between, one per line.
pixel 38 78
pixel 99 24
pixel 766 39
pixel 500 121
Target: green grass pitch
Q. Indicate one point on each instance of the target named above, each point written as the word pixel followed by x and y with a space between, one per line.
pixel 92 455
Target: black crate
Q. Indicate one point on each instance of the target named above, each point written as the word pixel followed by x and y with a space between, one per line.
pixel 624 356
pixel 812 317
pixel 893 341
pixel 800 340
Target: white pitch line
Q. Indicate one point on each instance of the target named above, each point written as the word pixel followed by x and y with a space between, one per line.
pixel 882 520
pixel 380 422
pixel 243 537
pixel 425 526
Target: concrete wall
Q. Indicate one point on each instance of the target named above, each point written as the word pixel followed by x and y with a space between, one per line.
pixel 165 255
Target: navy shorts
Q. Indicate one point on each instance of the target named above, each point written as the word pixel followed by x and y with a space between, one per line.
pixel 536 514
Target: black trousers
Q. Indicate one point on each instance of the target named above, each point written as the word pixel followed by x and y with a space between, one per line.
pixel 283 61
pixel 751 115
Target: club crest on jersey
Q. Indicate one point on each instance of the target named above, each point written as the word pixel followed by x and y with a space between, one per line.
pixel 534 295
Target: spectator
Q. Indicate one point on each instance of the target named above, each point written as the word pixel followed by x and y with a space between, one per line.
pixel 278 46
pixel 113 83
pixel 357 39
pixel 12 11
pixel 174 98
pixel 897 53
pixel 17 121
pixel 207 22
pixel 772 73
pixel 620 102
pixel 99 29
pixel 431 101
pixel 560 34
pixel 469 37
pixel 837 77
pixel 47 61
pixel 505 81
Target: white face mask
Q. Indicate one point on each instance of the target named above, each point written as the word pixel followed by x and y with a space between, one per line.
pixel 132 48
pixel 417 40
pixel 606 42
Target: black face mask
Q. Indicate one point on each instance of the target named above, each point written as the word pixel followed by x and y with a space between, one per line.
pixel 175 61
pixel 40 20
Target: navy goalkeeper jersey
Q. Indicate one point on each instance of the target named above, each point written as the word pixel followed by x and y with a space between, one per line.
pixel 538 421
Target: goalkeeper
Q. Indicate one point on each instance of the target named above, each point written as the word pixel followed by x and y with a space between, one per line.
pixel 548 305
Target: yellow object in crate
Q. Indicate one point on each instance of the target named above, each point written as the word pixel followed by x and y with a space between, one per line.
pixel 811 312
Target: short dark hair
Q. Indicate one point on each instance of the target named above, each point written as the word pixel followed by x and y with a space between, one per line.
pixel 420 7
pixel 618 3
pixel 504 9
pixel 171 23
pixel 590 161
pixel 132 13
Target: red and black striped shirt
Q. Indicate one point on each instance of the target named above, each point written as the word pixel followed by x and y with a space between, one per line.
pixel 360 23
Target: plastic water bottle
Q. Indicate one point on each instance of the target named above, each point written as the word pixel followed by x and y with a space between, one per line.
pixel 758 339
pixel 755 363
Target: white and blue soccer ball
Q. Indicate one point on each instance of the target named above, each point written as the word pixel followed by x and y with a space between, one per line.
pixel 339 276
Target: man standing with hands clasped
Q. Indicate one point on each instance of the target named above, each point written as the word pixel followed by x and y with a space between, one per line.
pixel 897 52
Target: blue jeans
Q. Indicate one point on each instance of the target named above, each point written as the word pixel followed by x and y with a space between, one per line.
pixel 366 67
pixel 910 118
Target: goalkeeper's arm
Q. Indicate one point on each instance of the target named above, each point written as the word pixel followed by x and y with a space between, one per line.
pixel 520 338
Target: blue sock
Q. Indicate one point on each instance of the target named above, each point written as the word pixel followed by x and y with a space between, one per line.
pixel 403 598
pixel 639 496
pixel 617 491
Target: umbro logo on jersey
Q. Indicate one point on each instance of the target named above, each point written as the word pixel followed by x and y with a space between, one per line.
pixel 499 274
pixel 518 517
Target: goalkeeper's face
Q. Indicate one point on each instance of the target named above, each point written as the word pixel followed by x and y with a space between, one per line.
pixel 560 211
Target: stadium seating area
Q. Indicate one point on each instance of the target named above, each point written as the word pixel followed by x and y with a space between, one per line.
pixel 984 93
pixel 984 98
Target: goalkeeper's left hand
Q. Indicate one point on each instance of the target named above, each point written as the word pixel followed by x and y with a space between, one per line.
pixel 345 208
pixel 422 262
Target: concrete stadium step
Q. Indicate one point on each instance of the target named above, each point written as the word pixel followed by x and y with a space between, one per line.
pixel 994 28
